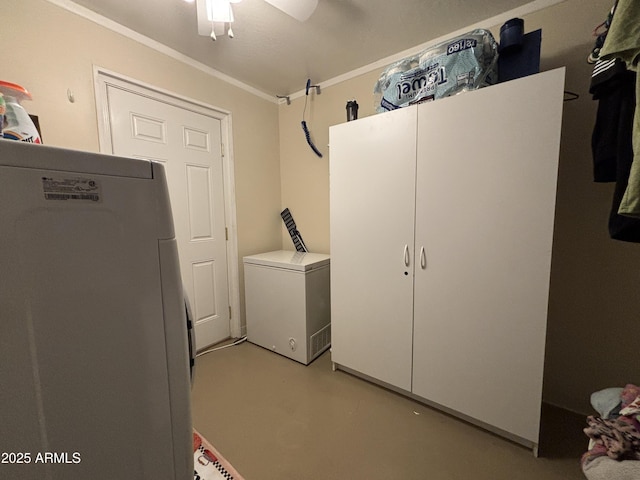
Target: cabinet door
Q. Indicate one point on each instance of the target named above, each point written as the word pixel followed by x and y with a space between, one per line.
pixel 372 198
pixel 486 189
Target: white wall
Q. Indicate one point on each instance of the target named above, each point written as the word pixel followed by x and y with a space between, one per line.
pixel 594 303
pixel 48 50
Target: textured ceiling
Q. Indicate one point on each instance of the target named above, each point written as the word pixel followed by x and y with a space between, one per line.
pixel 276 54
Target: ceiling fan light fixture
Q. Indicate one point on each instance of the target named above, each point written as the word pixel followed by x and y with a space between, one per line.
pixel 219 11
pixel 212 13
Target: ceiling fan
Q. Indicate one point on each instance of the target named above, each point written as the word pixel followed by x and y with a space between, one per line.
pixel 301 10
pixel 215 16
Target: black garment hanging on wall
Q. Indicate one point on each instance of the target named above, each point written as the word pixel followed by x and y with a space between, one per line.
pixel 614 88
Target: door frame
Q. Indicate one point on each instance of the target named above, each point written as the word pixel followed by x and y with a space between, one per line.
pixel 104 78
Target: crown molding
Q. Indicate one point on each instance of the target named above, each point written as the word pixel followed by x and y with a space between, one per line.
pixel 159 47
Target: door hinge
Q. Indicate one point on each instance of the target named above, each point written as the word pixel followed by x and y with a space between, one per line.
pixel 229 311
pixel 226 234
pixel 222 149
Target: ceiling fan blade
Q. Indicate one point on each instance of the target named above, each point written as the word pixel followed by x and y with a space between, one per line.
pixel 301 10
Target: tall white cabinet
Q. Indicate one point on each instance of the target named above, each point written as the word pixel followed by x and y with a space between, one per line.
pixel 442 221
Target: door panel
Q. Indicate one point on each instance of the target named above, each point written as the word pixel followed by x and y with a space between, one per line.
pixel 372 198
pixel 201 220
pixel 486 189
pixel 189 146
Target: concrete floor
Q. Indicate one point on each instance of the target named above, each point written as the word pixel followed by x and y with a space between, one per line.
pixel 275 419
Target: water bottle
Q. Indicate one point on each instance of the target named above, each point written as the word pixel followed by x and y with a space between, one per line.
pixel 352 110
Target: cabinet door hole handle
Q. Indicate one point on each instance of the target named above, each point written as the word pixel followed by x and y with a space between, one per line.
pixel 423 258
pixel 406 255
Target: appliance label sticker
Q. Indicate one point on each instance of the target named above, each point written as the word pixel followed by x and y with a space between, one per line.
pixel 79 189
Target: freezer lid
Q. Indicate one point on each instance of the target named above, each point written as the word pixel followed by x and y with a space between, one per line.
pixel 289 260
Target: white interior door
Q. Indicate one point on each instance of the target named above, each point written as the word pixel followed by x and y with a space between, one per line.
pixel 189 145
pixel 486 190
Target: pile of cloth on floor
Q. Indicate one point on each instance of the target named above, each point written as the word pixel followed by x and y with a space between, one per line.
pixel 614 435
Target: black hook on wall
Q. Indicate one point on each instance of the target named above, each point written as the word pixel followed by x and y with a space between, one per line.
pixel 317 87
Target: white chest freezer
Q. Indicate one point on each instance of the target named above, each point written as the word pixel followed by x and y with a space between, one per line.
pixel 94 375
pixel 288 303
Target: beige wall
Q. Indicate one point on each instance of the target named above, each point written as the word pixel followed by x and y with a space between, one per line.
pixel 305 176
pixel 594 301
pixel 48 50
pixel 594 304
